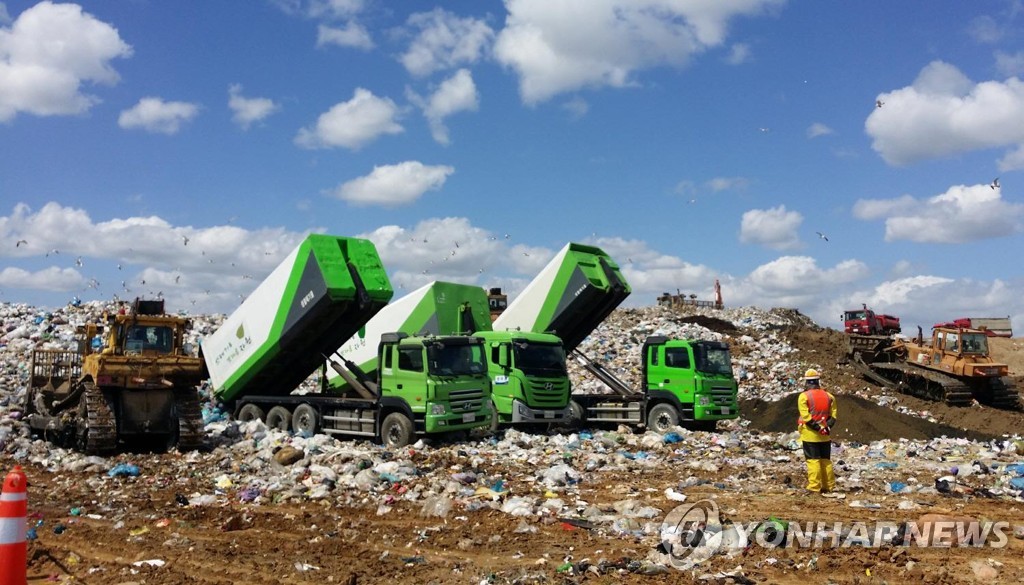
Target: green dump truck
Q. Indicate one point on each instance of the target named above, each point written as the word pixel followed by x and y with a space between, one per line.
pixel 426 366
pixel 323 293
pixel 683 381
pixel 526 371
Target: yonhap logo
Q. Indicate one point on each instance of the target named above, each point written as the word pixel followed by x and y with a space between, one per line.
pixel 692 534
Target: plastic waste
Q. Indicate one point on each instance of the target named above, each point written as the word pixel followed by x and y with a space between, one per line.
pixel 124 470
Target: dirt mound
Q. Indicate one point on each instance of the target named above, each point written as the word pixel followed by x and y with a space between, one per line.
pixel 713 323
pixel 860 420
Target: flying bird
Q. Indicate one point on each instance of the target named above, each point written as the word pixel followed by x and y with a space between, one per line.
pixel 764 129
pixel 507 236
pixel 177 278
pixel 526 253
pixel 456 244
pixel 119 267
pixel 20 242
pixel 78 261
pixel 879 103
pixel 53 251
pixel 184 239
pixel 822 236
pixel 995 183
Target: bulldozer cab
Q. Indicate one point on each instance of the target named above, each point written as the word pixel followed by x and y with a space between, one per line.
pixel 957 351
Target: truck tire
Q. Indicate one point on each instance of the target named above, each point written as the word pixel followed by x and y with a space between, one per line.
pixel 279 418
pixel 662 418
pixel 305 420
pixel 396 431
pixel 577 414
pixel 251 412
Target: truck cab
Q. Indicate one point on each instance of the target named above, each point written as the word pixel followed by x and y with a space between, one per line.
pixel 529 379
pixel 441 380
pixel 696 376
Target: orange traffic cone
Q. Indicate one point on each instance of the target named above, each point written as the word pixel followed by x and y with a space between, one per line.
pixel 13 511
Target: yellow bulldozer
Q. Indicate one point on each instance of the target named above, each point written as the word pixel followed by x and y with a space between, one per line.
pixel 131 383
pixel 953 366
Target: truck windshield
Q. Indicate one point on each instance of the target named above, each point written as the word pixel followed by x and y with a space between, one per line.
pixel 140 338
pixel 540 359
pixel 975 343
pixel 456 360
pixel 855 316
pixel 714 360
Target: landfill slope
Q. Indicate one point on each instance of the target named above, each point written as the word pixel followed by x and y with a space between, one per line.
pixel 263 506
pixel 860 420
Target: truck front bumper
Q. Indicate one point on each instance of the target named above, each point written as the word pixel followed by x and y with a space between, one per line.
pixel 440 423
pixel 715 412
pixel 524 414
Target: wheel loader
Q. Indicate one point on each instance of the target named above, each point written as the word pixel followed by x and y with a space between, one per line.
pixel 953 366
pixel 131 383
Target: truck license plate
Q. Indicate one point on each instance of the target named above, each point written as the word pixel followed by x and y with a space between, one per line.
pixel 468 417
pixel 549 414
pixel 725 410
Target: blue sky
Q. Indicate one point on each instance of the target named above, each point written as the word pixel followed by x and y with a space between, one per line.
pixel 692 140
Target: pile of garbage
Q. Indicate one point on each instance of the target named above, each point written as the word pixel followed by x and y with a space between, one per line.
pixel 529 477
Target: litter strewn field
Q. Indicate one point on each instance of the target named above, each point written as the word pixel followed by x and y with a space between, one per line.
pixel 585 505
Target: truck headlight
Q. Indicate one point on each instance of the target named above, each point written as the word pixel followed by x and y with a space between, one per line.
pixel 438 409
pixel 704 401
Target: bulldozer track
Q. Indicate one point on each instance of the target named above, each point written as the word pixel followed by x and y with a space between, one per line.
pixel 100 432
pixel 925 383
pixel 1005 394
pixel 190 418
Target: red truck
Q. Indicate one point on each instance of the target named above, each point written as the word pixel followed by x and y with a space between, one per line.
pixel 992 326
pixel 864 321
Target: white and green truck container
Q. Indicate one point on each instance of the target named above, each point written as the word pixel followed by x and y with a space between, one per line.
pixel 683 381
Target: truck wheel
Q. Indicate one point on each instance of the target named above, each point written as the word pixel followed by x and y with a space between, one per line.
pixel 305 420
pixel 396 431
pixel 577 413
pixel 279 418
pixel 494 418
pixel 251 412
pixel 662 418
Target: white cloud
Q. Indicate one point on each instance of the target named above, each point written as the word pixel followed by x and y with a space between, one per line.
pixel 49 279
pixel 153 114
pixel 5 17
pixel 556 47
pixel 985 29
pixel 444 41
pixel 1010 65
pixel 48 53
pixel 352 124
pixel 719 184
pixel 773 228
pixel 249 110
pixel 739 53
pixel 944 113
pixel 818 129
pixel 393 185
pixel 455 94
pixel 335 8
pixel 133 249
pixel 961 214
pixel 577 107
pixel 1013 160
pixel 352 35
pixel 800 275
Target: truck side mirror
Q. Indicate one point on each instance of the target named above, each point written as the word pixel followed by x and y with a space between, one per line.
pixel 503 360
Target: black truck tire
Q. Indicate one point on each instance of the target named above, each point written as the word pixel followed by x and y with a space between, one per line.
pixel 305 420
pixel 577 413
pixel 396 431
pixel 251 412
pixel 662 418
pixel 279 418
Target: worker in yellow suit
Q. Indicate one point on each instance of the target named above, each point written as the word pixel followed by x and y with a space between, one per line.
pixel 817 417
